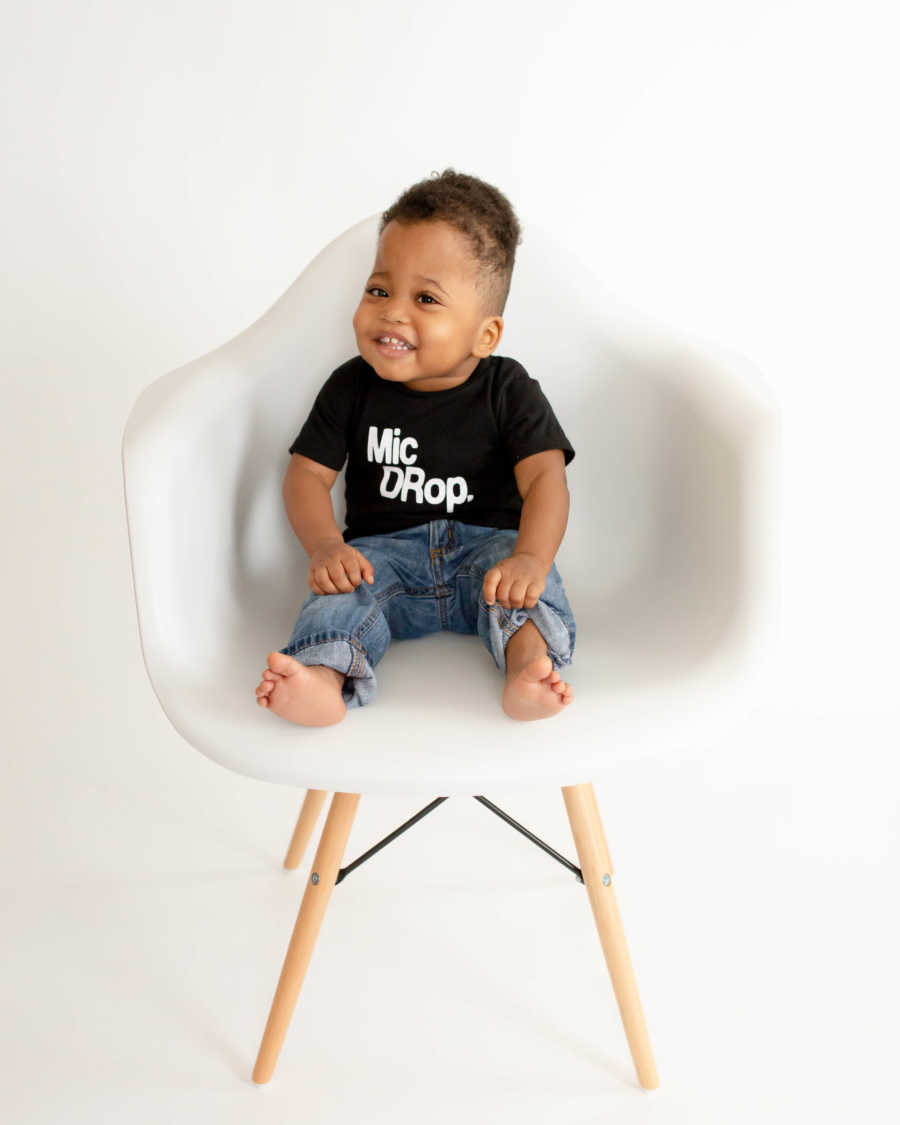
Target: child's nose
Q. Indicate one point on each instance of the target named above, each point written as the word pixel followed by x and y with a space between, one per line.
pixel 395 309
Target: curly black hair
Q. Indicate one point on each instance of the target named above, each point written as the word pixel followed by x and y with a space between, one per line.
pixel 479 212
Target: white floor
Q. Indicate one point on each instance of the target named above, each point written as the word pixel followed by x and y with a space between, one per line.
pixel 458 974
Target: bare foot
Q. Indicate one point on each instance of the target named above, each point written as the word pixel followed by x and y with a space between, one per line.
pixel 309 695
pixel 535 690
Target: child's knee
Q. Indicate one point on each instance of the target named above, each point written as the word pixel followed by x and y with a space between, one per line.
pixel 336 603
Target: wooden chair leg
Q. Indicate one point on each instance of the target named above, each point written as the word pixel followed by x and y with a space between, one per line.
pixel 306 822
pixel 593 856
pixel 309 921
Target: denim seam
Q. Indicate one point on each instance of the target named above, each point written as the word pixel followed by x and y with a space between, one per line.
pixel 471 572
pixel 389 592
pixel 406 591
pixel 315 640
pixel 321 637
pixel 370 622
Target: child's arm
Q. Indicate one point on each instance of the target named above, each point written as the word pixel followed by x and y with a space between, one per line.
pixel 335 567
pixel 519 579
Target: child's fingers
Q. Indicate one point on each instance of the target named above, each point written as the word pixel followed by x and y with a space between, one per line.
pixel 326 586
pixel 324 580
pixel 339 577
pixel 366 568
pixel 503 589
pixel 533 595
pixel 490 584
pixel 517 593
pixel 351 566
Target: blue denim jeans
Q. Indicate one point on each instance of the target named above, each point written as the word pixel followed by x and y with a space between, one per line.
pixel 427 578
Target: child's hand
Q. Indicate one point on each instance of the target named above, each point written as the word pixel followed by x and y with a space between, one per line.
pixel 336 567
pixel 515 582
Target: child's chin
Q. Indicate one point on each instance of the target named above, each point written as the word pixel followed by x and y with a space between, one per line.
pixel 395 376
pixel 387 368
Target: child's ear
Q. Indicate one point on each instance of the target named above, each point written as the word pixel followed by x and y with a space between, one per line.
pixel 491 331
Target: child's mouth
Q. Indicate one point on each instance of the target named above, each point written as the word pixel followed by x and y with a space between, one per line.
pixel 393 350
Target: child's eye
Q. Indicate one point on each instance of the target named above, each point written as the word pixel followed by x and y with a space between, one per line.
pixel 378 289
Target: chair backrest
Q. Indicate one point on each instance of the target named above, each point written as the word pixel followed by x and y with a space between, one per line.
pixel 659 494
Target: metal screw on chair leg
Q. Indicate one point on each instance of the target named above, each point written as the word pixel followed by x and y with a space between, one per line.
pixel 315 876
pixel 606 880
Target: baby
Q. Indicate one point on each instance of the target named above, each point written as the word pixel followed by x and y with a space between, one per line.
pixel 456 489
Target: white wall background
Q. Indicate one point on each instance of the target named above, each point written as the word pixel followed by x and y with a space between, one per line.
pixel 729 169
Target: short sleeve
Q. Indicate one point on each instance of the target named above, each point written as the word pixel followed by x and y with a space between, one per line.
pixel 323 437
pixel 526 420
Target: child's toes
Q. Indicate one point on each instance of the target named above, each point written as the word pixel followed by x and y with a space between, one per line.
pixel 281 664
pixel 273 676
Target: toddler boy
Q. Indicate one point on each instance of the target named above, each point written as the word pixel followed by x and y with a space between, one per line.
pixel 455 486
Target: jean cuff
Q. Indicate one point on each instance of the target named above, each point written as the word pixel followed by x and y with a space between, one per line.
pixel 549 624
pixel 343 653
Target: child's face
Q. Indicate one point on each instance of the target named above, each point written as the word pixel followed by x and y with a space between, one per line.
pixel 441 318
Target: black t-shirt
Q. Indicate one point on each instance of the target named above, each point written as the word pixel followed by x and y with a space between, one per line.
pixel 414 456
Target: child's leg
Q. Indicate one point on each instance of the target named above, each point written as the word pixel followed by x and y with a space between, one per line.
pixel 529 645
pixel 328 664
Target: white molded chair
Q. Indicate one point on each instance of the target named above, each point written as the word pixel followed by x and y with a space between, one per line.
pixel 665 561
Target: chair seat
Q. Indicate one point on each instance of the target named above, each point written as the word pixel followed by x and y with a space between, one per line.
pixel 437 728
